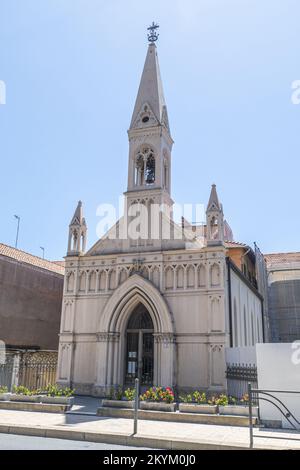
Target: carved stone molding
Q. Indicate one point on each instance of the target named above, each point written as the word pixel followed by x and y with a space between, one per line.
pixel 108 336
pixel 216 347
pixel 165 338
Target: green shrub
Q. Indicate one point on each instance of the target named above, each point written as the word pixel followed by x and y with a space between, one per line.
pixel 129 394
pixel 56 391
pixel 221 400
pixel 232 400
pixel 186 398
pixel 116 393
pixel 21 390
pixel 199 397
pixel 3 389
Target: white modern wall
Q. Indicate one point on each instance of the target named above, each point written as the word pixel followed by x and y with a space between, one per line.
pixel 278 368
pixel 242 355
pixel 246 313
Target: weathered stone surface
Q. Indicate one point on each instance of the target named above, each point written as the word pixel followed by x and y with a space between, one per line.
pixel 197 408
pixel 69 401
pixel 27 406
pixel 237 410
pixel 157 406
pixel 117 404
pixel 24 398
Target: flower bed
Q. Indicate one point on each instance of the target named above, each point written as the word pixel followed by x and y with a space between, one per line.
pixel 52 394
pixel 195 408
pixel 155 398
pixel 21 393
pixel 198 402
pixel 158 399
pixel 57 395
pixel 238 407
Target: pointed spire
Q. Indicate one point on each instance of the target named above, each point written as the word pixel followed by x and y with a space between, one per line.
pixel 213 203
pixel 77 218
pixel 77 232
pixel 150 92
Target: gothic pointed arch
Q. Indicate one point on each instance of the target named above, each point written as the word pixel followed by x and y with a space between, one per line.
pixel 127 296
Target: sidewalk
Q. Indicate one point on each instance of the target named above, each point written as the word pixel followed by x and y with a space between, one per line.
pixel 159 435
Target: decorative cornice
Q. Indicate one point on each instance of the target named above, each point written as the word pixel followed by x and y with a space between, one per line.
pixel 165 338
pixel 108 336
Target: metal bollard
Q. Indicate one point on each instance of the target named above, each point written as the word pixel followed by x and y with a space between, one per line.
pixel 250 415
pixel 136 406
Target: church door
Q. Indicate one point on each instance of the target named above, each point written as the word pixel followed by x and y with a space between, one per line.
pixel 139 347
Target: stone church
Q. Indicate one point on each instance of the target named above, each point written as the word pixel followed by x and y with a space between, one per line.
pixel 162 305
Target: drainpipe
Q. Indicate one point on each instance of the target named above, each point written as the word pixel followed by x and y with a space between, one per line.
pixel 230 303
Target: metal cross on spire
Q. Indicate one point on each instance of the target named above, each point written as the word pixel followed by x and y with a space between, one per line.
pixel 153 34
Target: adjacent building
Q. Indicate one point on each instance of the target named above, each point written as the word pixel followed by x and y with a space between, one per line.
pixel 31 291
pixel 284 296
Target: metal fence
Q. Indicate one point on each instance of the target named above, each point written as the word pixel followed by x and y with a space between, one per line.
pixel 271 396
pixel 33 370
pixel 238 377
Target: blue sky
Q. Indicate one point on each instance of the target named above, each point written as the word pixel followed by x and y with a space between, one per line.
pixel 72 69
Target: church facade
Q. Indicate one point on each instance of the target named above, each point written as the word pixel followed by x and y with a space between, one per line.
pixel 153 299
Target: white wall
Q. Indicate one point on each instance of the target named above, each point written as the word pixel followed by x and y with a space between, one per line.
pixel 243 355
pixel 246 313
pixel 278 368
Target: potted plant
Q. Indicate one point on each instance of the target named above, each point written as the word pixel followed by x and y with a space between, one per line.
pixel 4 395
pixel 21 393
pixel 197 402
pixel 58 395
pixel 118 399
pixel 237 407
pixel 158 399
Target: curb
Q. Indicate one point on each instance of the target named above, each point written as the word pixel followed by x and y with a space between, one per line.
pixel 119 439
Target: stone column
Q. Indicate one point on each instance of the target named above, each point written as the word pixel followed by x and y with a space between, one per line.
pixel 166 367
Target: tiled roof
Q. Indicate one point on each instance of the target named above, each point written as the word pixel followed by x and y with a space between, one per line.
pixel 282 258
pixel 232 244
pixel 27 258
pixel 60 263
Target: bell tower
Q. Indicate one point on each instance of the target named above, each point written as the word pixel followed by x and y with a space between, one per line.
pixel 149 161
pixel 150 141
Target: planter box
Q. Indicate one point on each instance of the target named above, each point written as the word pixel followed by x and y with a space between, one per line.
pixel 157 406
pixel 237 410
pixel 117 404
pixel 69 401
pixel 4 396
pixel 198 408
pixel 25 398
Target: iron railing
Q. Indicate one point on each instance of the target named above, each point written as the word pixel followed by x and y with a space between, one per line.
pixel 256 395
pixel 34 370
pixel 238 376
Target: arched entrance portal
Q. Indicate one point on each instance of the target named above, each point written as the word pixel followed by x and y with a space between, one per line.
pixel 139 347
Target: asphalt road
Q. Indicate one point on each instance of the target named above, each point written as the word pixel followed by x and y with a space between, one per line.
pixel 15 442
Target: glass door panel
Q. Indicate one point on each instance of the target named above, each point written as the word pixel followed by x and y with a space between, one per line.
pixel 132 357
